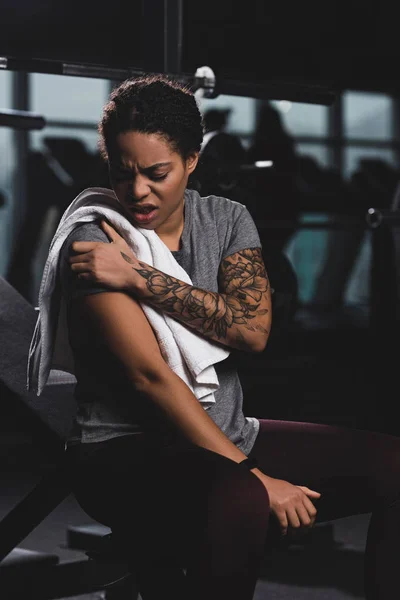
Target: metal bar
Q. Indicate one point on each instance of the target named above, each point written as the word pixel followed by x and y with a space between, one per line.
pixel 153 51
pixel 97 71
pixel 21 119
pixel 86 125
pixel 31 65
pixel 296 91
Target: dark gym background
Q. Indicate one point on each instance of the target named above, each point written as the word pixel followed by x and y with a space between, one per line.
pixel 304 123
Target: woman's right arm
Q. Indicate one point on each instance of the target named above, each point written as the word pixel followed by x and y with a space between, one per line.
pixel 124 328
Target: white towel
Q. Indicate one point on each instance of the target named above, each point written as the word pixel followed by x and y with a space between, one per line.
pixel 187 353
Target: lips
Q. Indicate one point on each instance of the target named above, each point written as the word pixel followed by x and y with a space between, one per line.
pixel 143 217
pixel 143 208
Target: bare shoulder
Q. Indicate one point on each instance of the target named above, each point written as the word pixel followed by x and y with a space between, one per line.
pixel 119 323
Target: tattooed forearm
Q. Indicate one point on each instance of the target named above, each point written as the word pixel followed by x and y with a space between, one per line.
pixel 224 317
pixel 259 327
pixel 240 340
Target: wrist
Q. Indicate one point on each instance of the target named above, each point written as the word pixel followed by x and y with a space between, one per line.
pixel 134 283
pixel 250 463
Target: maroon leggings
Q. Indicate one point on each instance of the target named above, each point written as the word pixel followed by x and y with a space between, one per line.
pixel 203 521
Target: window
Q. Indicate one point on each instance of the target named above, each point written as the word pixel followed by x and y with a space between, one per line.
pixel 64 98
pixel 368 130
pixel 89 137
pixel 333 265
pixel 367 116
pixel 242 112
pixel 5 89
pixel 306 251
pixel 72 107
pixel 300 119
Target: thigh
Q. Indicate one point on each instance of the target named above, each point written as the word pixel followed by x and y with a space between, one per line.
pixel 164 497
pixel 351 468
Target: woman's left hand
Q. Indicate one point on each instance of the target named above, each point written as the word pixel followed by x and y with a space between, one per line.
pixel 111 264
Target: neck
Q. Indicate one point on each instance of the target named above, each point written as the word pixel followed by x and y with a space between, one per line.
pixel 173 226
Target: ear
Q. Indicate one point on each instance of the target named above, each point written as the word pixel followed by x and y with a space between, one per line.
pixel 191 162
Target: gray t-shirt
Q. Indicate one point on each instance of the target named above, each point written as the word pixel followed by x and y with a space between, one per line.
pixel 214 228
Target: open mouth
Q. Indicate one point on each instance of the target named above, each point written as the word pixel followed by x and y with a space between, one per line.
pixel 143 214
pixel 144 210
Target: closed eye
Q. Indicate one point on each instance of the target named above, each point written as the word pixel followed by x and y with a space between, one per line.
pixel 127 176
pixel 121 175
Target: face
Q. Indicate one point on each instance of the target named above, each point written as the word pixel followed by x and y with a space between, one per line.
pixel 149 179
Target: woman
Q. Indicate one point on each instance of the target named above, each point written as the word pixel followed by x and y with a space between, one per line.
pixel 147 459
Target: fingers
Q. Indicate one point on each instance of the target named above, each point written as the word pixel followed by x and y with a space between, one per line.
pixel 309 506
pixel 308 492
pixel 81 247
pixel 306 520
pixel 300 516
pixel 81 267
pixel 110 231
pixel 113 235
pixel 283 522
pixel 80 258
pixel 294 521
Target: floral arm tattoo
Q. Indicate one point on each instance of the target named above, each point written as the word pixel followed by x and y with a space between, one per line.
pixel 231 317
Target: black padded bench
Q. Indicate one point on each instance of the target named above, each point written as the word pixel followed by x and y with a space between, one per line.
pixel 22 559
pixel 86 537
pixel 47 419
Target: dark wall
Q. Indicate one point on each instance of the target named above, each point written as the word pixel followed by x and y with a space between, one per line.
pixel 346 43
pixel 352 44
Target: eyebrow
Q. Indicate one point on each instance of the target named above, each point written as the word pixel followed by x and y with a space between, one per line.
pixel 156 166
pixel 151 168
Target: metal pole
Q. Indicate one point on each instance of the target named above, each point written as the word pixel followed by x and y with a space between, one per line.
pixel 20 101
pixel 173 28
pixel 336 132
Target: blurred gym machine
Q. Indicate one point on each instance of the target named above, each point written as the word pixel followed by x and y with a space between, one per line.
pixel 385 271
pixel 384 225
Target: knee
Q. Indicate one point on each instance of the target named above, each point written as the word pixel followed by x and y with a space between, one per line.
pixel 242 497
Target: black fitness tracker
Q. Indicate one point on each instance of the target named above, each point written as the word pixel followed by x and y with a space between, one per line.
pixel 250 463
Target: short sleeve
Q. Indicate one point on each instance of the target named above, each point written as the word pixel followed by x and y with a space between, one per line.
pixel 73 287
pixel 243 232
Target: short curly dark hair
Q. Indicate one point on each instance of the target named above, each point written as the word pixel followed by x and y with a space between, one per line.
pixel 154 104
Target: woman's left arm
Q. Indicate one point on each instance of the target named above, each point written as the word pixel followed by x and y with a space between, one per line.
pixel 238 315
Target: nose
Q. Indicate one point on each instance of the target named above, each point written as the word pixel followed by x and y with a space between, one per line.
pixel 139 188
